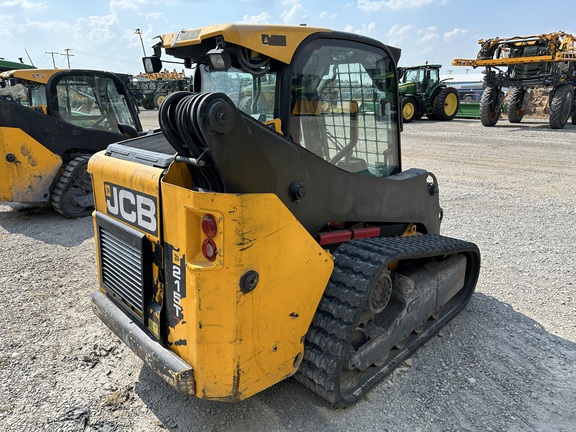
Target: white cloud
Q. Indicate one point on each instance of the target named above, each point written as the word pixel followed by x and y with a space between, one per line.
pixel 8 27
pixel 155 16
pixel 98 29
pixel 371 6
pixel 24 4
pixel 427 35
pixel 364 30
pixel 454 34
pixel 291 15
pixel 398 34
pixel 262 18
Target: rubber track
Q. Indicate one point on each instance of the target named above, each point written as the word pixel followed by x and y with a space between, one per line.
pixel 65 182
pixel 357 263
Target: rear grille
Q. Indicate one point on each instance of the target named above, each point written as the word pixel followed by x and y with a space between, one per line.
pixel 122 264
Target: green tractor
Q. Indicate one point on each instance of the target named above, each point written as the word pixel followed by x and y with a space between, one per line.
pixel 422 92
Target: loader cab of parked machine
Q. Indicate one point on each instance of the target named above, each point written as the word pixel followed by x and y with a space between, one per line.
pixel 335 97
pixel 51 122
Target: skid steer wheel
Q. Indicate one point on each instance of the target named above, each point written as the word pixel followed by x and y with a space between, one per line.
pixel 72 195
pixel 446 104
pixel 561 105
pixel 408 110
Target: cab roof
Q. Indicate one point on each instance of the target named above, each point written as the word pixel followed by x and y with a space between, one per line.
pixel 433 66
pixel 275 41
pixel 37 75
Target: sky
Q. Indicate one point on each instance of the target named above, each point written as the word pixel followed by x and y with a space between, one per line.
pixel 102 34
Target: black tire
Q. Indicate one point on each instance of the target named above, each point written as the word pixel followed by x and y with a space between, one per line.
pixel 561 105
pixel 72 195
pixel 514 105
pixel 446 103
pixel 490 106
pixel 408 109
pixel 147 104
pixel 159 98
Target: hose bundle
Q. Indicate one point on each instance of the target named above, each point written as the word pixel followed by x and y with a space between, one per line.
pixel 185 118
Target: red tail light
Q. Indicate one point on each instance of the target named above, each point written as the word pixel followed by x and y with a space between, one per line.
pixel 209 249
pixel 209 225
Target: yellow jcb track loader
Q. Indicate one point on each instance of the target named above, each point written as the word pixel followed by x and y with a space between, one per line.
pixel 521 63
pixel 51 122
pixel 238 248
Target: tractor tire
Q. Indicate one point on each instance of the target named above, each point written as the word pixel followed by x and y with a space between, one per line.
pixel 446 104
pixel 408 109
pixel 561 105
pixel 514 106
pixel 490 106
pixel 147 104
pixel 159 98
pixel 72 195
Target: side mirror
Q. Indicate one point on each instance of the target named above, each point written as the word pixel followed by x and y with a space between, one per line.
pixel 152 64
pixel 400 72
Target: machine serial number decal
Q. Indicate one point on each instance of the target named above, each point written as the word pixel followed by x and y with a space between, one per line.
pixel 175 265
pixel 135 208
pixel 273 40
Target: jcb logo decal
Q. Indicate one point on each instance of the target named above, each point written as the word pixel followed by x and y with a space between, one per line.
pixel 136 208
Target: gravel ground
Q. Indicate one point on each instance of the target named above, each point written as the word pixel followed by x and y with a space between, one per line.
pixel 506 363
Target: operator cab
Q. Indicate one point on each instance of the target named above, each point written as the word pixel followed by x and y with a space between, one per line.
pixel 335 97
pixel 424 77
pixel 87 99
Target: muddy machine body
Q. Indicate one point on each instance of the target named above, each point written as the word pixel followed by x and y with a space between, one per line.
pixel 239 247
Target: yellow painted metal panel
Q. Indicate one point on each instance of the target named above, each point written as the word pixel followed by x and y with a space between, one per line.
pixel 128 176
pixel 275 41
pixel 26 166
pixel 37 75
pixel 240 343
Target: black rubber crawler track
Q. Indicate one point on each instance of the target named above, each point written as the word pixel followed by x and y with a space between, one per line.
pixel 357 264
pixel 73 177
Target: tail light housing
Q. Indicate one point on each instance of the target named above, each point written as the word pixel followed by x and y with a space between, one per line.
pixel 210 229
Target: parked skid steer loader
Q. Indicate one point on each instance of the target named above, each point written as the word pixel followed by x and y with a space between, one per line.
pixel 520 63
pixel 238 248
pixel 51 122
